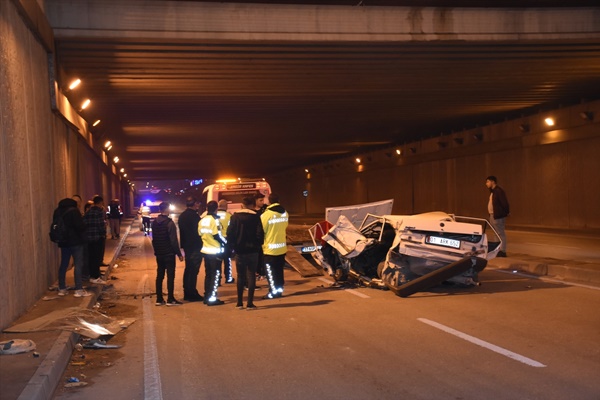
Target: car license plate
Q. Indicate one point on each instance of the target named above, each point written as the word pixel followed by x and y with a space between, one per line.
pixel 441 241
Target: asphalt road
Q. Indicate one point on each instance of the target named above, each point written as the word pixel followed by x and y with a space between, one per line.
pixel 510 338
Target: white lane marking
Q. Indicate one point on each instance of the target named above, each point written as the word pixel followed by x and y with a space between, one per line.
pixel 483 343
pixel 544 279
pixel 354 292
pixel 152 386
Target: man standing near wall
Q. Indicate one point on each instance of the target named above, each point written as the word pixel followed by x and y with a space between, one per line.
pixel 499 209
pixel 96 233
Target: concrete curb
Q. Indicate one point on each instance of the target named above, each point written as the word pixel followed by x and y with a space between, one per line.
pixel 44 382
pixel 582 273
pixel 47 377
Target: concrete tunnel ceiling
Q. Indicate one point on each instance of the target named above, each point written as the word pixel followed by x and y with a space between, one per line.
pixel 181 108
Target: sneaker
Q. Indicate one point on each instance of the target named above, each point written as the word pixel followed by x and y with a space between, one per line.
pixel 501 254
pixel 215 302
pixel 81 293
pixel 270 296
pixel 174 302
pixel 63 292
pixel 160 303
pixel 251 307
pixel 232 280
pixel 98 281
pixel 239 306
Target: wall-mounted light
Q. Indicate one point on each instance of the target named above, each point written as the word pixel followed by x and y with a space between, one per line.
pixel 587 115
pixel 116 159
pixel 96 123
pixel 107 144
pixel 524 128
pixel 549 121
pixel 85 104
pixel 306 170
pixel 74 84
pixel 357 160
pixel 399 152
pixel 122 170
pixel 124 175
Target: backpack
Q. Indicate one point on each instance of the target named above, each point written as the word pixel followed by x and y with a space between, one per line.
pixel 58 229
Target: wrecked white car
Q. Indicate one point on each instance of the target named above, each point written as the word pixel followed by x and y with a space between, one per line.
pixel 403 253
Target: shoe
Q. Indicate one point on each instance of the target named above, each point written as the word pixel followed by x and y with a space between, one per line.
pixel 232 280
pixel 63 292
pixel 104 264
pixel 501 254
pixel 270 296
pixel 160 303
pixel 239 306
pixel 174 303
pixel 215 303
pixel 81 293
pixel 98 281
pixel 251 307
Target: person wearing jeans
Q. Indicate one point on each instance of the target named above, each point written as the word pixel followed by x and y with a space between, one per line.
pixel 71 246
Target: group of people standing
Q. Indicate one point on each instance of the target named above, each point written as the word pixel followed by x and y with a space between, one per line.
pixel 84 239
pixel 255 236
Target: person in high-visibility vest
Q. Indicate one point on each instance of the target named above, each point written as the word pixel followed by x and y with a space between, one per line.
pixel 213 248
pixel 224 218
pixel 274 222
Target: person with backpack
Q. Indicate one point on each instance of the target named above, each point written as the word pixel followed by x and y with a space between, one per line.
pixel 68 231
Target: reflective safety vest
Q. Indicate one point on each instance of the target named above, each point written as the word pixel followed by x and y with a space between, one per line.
pixel 207 228
pixel 224 218
pixel 274 224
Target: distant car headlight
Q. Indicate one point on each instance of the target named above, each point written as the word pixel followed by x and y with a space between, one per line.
pixel 171 207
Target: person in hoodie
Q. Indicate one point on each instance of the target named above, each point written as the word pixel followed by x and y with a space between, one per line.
pixel 166 247
pixel 274 222
pixel 245 236
pixel 72 246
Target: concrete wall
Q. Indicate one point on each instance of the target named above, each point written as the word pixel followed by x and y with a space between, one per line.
pixel 550 174
pixel 42 160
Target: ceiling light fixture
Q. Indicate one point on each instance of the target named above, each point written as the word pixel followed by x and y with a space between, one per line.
pixel 96 123
pixel 74 84
pixel 116 159
pixel 85 104
pixel 122 170
pixel 107 144
pixel 549 121
pixel 124 175
pixel 357 160
pixel 306 170
pixel 399 152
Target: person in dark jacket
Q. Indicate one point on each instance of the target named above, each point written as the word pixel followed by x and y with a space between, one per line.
pixel 114 214
pixel 72 246
pixel 95 222
pixel 499 209
pixel 245 237
pixel 191 243
pixel 166 247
